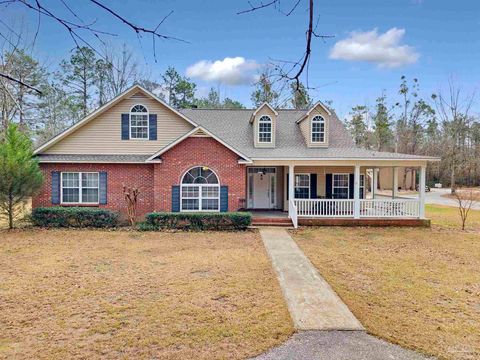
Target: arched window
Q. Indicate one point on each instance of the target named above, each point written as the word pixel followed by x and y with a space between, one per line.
pixel 318 129
pixel 139 122
pixel 265 129
pixel 200 190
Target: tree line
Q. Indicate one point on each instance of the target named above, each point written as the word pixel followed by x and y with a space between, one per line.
pixel 442 125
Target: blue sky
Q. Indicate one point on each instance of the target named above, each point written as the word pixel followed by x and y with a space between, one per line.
pixel 442 39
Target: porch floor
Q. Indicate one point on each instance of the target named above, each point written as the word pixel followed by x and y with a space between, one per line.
pixel 269 214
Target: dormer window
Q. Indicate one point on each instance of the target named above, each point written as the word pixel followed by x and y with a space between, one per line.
pixel 265 129
pixel 139 122
pixel 318 129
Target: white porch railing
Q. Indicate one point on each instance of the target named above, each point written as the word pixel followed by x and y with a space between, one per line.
pixel 292 212
pixel 344 208
pixel 324 207
pixel 389 208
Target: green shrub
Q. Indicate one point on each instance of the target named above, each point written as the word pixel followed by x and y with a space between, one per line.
pixel 77 217
pixel 197 221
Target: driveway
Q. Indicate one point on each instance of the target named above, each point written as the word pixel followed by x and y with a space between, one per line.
pixel 338 345
pixel 435 197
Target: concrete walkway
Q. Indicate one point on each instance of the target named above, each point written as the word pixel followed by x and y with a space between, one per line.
pixel 312 303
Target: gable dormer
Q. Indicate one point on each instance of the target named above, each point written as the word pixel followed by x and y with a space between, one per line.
pixel 264 121
pixel 314 125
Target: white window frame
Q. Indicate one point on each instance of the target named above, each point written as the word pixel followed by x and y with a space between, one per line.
pixel 200 192
pixel 130 126
pixel 260 121
pixel 322 121
pixel 295 186
pixel 80 188
pixel 341 187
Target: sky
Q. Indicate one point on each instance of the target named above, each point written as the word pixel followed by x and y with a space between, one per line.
pixel 375 42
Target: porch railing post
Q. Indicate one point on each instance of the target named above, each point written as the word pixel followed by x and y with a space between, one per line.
pixel 356 192
pixel 291 181
pixel 421 192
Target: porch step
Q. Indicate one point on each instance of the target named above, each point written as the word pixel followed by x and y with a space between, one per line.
pixel 257 221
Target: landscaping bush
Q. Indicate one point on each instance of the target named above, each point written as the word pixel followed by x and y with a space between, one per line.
pixel 197 221
pixel 77 217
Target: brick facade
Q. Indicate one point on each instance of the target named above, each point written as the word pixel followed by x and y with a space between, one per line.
pixel 199 151
pixel 156 180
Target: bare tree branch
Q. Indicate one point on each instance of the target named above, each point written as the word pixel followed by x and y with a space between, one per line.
pixel 8 77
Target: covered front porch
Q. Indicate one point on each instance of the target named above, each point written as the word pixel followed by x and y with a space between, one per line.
pixel 333 192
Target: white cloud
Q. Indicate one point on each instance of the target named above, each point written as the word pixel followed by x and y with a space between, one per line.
pixel 230 71
pixel 384 50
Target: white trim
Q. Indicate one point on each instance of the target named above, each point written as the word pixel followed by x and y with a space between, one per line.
pixel 180 139
pixel 341 187
pixel 200 189
pixel 342 159
pixel 92 162
pixel 80 188
pixel 323 121
pixel 136 126
pixel 264 132
pixel 105 107
pixel 307 114
pixel 261 106
pixel 309 185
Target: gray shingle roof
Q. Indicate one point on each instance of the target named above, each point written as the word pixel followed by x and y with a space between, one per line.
pixel 234 127
pixel 92 158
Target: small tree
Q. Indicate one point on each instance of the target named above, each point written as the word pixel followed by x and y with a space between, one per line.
pixel 466 199
pixel 131 198
pixel 20 175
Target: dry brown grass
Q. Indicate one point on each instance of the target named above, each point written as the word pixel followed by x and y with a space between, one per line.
pixel 416 287
pixel 97 294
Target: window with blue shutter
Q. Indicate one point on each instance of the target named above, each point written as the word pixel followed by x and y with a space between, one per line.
pixel 125 126
pixel 55 187
pixel 103 187
pixel 223 198
pixel 152 127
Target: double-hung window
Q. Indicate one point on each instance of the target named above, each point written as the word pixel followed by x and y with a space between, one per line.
pixel 139 122
pixel 302 186
pixel 318 129
pixel 265 129
pixel 340 185
pixel 79 187
pixel 200 190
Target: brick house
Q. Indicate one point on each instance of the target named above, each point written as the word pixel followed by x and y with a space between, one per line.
pixel 221 160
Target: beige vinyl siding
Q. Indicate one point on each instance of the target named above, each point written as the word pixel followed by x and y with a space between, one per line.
pixel 265 110
pixel 385 178
pixel 102 135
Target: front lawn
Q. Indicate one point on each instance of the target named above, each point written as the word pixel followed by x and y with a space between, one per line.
pixel 416 287
pixel 118 294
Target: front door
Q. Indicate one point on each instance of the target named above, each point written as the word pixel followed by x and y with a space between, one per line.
pixel 262 190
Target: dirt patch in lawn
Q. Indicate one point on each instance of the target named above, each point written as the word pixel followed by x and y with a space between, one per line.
pixel 416 287
pixel 90 294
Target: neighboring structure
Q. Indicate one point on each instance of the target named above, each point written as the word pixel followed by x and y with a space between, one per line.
pixel 218 160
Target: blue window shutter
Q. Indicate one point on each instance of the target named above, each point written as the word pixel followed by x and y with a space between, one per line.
pixel 125 126
pixel 313 186
pixel 328 186
pixel 175 198
pixel 55 187
pixel 152 127
pixel 351 182
pixel 223 198
pixel 102 196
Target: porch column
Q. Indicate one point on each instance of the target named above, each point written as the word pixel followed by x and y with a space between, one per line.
pixel 395 182
pixel 291 181
pixel 421 192
pixel 356 192
pixel 374 182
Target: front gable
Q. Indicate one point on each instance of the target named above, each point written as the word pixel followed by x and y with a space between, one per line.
pixel 317 111
pixel 264 110
pixel 101 132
